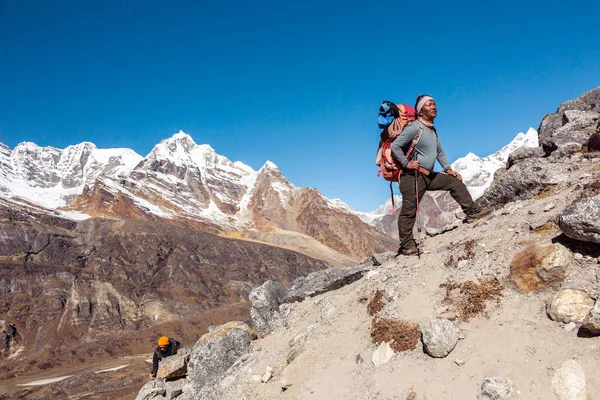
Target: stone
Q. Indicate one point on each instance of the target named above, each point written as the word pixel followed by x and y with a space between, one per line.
pixel 570 326
pixel 323 281
pixel 459 362
pixel 569 305
pixel 175 388
pixel 382 355
pixel 215 352
pixel 538 267
pixel 267 375
pixel 266 300
pixel 174 366
pixel 591 323
pixel 578 256
pixel 569 383
pixel 523 181
pixel 497 388
pixel 598 274
pixel 581 220
pixel 593 143
pixel 549 207
pixel 439 337
pixel 523 153
pixel 153 390
pixel 381 258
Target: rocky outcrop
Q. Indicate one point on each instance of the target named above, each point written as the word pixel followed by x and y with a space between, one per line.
pixel 572 124
pixel 265 306
pixel 213 355
pixel 323 281
pixel 175 366
pixel 581 220
pixel 523 181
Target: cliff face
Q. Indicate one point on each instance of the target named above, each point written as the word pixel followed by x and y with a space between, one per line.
pixel 64 283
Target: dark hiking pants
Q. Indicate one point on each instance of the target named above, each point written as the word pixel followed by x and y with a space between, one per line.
pixel 434 181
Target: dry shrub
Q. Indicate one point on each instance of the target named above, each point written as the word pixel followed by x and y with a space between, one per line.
pixel 468 299
pixel 411 395
pixel 376 303
pixel 400 335
pixel 467 253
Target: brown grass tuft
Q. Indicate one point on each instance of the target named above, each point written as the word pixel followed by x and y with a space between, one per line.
pixel 401 335
pixel 468 299
pixel 376 303
pixel 546 191
pixel 467 253
pixel 411 395
pixel 546 227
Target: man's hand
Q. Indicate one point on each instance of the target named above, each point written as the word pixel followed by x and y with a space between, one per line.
pixel 414 164
pixel 454 174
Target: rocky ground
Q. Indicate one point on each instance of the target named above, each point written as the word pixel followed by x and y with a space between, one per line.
pixel 325 349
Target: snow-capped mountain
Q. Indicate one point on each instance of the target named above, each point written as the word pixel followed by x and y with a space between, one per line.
pixel 52 177
pixel 182 182
pixel 478 173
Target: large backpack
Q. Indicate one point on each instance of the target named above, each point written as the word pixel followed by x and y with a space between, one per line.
pixel 392 119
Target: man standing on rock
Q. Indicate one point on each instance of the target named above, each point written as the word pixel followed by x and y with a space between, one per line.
pixel 426 152
pixel 166 347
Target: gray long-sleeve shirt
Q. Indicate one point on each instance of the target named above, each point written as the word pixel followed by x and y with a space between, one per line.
pixel 427 151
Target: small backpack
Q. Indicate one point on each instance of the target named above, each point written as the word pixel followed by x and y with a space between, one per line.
pixel 392 119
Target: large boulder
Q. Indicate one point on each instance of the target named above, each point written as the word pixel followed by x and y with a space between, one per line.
pixel 323 281
pixel 174 366
pixel 214 354
pixel 569 305
pixel 581 220
pixel 523 181
pixel 540 267
pixel 153 390
pixel 265 306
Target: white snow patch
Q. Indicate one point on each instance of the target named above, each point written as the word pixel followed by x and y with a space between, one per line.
pixel 42 382
pixel 112 369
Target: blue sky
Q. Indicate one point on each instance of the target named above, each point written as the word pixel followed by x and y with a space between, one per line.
pixel 297 83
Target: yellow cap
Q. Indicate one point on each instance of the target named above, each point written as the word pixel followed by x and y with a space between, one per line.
pixel 163 341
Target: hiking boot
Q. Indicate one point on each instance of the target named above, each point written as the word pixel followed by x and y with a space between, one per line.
pixel 474 216
pixel 409 251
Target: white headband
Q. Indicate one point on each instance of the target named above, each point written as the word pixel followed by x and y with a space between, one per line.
pixel 422 102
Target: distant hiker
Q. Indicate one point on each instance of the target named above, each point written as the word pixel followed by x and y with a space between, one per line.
pixel 166 347
pixel 426 151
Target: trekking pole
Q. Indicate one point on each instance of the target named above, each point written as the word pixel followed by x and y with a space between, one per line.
pixel 417 213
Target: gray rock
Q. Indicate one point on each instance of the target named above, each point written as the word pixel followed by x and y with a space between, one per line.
pixel 382 355
pixel 381 258
pixel 569 383
pixel 323 281
pixel 497 388
pixel 439 337
pixel 175 388
pixel 523 181
pixel 153 390
pixel 174 366
pixel 572 124
pixel 212 357
pixel 598 274
pixel 523 153
pixel 581 220
pixel 591 323
pixel 265 306
pixel 444 229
